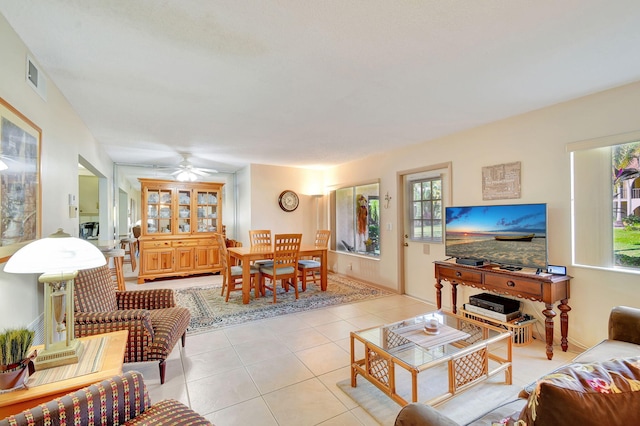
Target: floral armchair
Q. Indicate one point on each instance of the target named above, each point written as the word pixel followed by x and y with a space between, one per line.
pixel 154 322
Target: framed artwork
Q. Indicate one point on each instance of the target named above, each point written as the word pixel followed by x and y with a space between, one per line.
pixel 20 215
pixel 501 181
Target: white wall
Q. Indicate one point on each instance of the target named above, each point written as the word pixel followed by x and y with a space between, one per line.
pixel 64 138
pixel 537 139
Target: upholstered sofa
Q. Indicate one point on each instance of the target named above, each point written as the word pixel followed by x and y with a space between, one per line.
pixel 121 400
pixel 600 386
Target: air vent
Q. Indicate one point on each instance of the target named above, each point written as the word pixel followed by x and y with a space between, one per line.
pixel 36 78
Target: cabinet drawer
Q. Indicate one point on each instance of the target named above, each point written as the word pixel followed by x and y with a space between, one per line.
pixel 155 244
pixel 461 275
pixel 514 285
pixel 185 243
pixel 206 242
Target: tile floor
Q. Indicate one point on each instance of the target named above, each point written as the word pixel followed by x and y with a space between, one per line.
pixel 283 371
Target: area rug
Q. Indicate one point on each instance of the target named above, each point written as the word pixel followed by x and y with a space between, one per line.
pixel 463 408
pixel 209 310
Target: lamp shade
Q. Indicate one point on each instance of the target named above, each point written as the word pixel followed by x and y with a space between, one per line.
pixel 58 253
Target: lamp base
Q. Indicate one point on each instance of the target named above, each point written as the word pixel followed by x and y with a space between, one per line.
pixel 57 355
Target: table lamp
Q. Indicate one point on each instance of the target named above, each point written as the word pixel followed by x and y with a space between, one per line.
pixel 58 257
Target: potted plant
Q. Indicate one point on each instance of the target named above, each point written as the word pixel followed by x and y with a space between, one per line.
pixel 15 360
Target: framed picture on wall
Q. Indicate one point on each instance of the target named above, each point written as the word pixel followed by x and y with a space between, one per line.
pixel 19 180
pixel 501 181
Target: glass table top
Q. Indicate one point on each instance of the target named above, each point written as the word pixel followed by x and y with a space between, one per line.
pixel 410 342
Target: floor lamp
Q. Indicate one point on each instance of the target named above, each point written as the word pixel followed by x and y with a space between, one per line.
pixel 58 258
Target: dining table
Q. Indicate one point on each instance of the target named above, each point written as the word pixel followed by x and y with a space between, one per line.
pixel 246 255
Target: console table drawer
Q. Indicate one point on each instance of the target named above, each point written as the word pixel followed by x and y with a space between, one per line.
pixel 461 275
pixel 511 284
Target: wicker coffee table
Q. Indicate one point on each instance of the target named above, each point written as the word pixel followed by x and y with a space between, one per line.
pixel 467 351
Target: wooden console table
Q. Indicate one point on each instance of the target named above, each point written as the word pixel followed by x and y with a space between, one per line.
pixel 546 289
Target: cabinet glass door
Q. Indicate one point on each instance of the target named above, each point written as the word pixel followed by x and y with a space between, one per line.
pixel 184 211
pixel 158 211
pixel 207 209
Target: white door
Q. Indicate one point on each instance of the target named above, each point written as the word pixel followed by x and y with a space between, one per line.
pixel 425 193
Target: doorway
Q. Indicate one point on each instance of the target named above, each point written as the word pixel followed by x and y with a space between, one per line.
pixel 92 202
pixel 421 243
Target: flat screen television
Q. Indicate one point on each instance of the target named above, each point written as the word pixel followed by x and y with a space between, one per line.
pixel 512 235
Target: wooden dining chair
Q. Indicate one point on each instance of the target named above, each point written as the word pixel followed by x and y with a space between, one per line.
pixel 260 238
pixel 309 267
pixel 115 261
pixel 286 254
pixel 129 247
pixel 232 274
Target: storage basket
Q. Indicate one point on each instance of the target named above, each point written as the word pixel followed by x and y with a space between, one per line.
pixel 521 334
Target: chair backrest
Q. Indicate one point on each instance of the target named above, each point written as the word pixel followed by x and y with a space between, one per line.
pixel 322 238
pixel 224 254
pixel 136 231
pixel 94 291
pixel 286 251
pixel 260 237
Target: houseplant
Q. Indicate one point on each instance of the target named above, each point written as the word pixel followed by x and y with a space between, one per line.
pixel 15 360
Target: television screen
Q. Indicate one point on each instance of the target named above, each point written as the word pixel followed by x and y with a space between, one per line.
pixel 509 235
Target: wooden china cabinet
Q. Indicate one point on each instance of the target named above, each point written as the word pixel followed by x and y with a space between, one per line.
pixel 178 223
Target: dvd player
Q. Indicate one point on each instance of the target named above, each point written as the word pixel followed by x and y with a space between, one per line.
pixel 469 261
pixel 495 303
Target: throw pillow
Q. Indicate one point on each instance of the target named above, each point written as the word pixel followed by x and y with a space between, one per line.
pixel 586 394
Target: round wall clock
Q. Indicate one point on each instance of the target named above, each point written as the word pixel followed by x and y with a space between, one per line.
pixel 288 201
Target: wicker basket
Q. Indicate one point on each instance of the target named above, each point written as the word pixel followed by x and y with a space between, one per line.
pixel 521 334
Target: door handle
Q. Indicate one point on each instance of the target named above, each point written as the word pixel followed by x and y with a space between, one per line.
pixel 406 244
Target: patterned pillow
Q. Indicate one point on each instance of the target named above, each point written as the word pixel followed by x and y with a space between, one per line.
pixel 586 394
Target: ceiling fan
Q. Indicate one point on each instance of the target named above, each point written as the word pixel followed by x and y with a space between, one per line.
pixel 187 172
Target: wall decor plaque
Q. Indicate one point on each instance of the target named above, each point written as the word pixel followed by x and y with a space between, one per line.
pixel 501 181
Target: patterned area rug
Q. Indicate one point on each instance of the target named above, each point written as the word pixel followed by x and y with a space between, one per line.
pixel 209 310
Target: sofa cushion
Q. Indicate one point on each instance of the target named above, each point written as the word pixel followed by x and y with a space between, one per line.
pixel 608 349
pixel 506 414
pixel 605 350
pixel 597 393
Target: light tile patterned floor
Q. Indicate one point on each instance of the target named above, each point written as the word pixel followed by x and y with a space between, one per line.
pixel 283 371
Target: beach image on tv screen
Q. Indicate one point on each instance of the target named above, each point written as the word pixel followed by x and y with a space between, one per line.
pixel 513 234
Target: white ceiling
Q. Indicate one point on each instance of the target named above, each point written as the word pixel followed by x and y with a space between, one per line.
pixel 316 83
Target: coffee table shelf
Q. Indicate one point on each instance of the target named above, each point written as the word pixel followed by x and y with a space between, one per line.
pixel 472 351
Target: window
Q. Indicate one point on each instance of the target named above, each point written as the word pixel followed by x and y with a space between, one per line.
pixel 606 202
pixel 357 219
pixel 426 209
pixel 626 204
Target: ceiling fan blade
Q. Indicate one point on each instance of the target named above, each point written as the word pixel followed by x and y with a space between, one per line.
pixel 202 169
pixel 199 172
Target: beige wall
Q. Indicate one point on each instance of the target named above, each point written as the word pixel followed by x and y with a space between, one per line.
pixel 537 140
pixel 64 138
pixel 267 182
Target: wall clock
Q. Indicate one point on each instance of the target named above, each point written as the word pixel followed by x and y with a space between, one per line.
pixel 288 201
